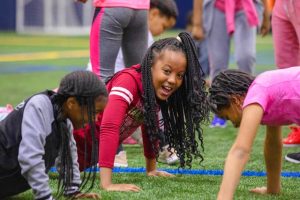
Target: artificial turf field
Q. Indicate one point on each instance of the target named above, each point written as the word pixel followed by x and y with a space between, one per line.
pixel 32 63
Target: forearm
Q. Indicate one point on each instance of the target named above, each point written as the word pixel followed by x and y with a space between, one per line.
pixel 265 5
pixel 266 12
pixel 240 151
pixel 235 163
pixel 197 13
pixel 38 181
pixel 273 154
pixel 105 177
pixel 150 164
pixel 76 172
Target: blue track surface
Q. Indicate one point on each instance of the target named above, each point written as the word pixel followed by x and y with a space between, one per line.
pixel 196 172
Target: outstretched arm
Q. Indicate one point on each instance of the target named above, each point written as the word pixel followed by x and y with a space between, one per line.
pixel 109 141
pixel 273 153
pixel 124 90
pixel 240 150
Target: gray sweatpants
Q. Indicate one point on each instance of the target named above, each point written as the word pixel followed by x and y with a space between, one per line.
pixel 218 40
pixel 113 28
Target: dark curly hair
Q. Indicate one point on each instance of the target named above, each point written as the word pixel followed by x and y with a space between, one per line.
pixel 185 110
pixel 224 85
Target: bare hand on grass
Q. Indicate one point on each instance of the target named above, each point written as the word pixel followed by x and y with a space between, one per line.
pixel 159 173
pixel 122 188
pixel 259 190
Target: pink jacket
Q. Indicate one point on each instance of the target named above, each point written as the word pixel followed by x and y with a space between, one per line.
pixel 134 4
pixel 231 6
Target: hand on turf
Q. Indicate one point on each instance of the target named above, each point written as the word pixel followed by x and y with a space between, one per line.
pixel 159 173
pixel 87 196
pixel 259 190
pixel 122 188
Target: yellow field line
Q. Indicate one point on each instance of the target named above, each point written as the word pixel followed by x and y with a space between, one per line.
pixel 44 55
pixel 48 43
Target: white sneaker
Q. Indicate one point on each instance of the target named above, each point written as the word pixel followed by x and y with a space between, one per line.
pixel 121 159
pixel 167 157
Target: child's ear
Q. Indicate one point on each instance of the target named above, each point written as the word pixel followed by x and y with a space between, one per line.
pixel 71 103
pixel 238 99
pixel 153 12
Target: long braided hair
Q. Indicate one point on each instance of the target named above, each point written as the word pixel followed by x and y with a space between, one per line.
pixel 224 85
pixel 85 87
pixel 185 109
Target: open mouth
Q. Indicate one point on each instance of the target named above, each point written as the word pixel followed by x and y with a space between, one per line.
pixel 166 90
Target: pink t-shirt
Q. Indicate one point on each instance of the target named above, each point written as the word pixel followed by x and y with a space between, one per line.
pixel 135 4
pixel 278 93
pixel 230 7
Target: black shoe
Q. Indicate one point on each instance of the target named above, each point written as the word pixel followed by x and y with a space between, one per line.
pixel 293 157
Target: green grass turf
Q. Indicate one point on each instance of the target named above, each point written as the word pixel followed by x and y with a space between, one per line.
pixel 17 85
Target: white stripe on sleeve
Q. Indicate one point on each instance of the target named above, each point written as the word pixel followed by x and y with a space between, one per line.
pixel 124 90
pixel 124 96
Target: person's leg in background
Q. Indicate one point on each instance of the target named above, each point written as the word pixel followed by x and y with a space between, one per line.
pixel 135 38
pixel 218 46
pixel 203 59
pixel 286 34
pixel 286 38
pixel 108 31
pixel 244 43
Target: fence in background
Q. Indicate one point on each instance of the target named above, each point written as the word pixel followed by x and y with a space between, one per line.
pixel 65 17
pixel 59 16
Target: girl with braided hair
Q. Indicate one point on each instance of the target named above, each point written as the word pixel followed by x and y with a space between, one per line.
pixel 168 79
pixel 38 133
pixel 271 99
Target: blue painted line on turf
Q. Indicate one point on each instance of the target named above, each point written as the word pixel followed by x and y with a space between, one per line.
pixel 195 172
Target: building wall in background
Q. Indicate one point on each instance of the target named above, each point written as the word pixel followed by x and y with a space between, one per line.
pixel 8 15
pixel 184 6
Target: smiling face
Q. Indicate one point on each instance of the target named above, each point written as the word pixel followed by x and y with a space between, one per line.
pixel 233 112
pixel 168 73
pixel 73 110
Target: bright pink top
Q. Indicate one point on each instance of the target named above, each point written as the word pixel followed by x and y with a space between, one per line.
pixel 135 4
pixel 278 93
pixel 220 4
pixel 230 7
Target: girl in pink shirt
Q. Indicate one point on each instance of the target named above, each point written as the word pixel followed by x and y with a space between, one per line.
pixel 272 99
